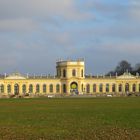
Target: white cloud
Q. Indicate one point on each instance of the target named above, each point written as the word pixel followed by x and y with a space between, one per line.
pixel 24 15
pixel 40 8
pixel 45 31
pixel 17 25
pixel 134 9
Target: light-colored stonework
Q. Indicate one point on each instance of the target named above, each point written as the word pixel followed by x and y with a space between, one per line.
pixel 70 78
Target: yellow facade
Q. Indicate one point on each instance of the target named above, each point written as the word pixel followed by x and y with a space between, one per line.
pixel 70 79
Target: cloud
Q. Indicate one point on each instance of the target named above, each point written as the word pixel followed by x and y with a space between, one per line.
pixel 19 15
pixel 17 25
pixel 41 9
pixel 123 47
pixel 108 9
pixel 34 33
pixel 134 10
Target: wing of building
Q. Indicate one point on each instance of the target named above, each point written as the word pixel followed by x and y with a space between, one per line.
pixel 70 78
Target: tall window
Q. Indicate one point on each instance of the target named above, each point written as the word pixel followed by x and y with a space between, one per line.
pixel 24 89
pixel 2 88
pixel 64 73
pixel 51 88
pixel 101 87
pixel 30 88
pixel 57 88
pixel 107 87
pixel 113 88
pixel 9 88
pixel 16 89
pixel 134 87
pixel 88 88
pixel 73 72
pixel 58 72
pixel 126 87
pixel 82 73
pixel 120 88
pixel 37 88
pixel 64 88
pixel 94 88
pixel 44 88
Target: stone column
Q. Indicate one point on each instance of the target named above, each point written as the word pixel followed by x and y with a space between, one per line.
pixel 91 88
pixel 97 88
pixel 117 88
pixel 110 88
pixel 79 87
pixel 54 88
pixel 12 88
pixel 68 88
pixel 27 88
pixel 41 89
pixel 34 88
pixel 20 89
pixel 123 88
pixel 60 90
pixel 131 87
pixel 137 88
pixel 5 89
pixel 104 88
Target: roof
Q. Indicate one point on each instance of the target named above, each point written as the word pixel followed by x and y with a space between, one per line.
pixel 126 75
pixel 16 75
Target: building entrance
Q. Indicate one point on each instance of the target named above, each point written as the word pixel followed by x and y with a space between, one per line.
pixel 74 88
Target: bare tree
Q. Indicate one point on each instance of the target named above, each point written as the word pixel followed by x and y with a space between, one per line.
pixel 122 67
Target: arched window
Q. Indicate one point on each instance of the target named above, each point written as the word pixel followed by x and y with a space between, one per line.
pixel 126 87
pixel 57 88
pixel 16 89
pixel 44 88
pixel 101 87
pixel 113 88
pixel 94 88
pixel 82 73
pixel 30 88
pixel 24 89
pixel 64 88
pixel 51 88
pixel 9 89
pixel 134 87
pixel 37 88
pixel 64 73
pixel 73 72
pixel 107 87
pixel 88 88
pixel 58 73
pixel 2 88
pixel 120 87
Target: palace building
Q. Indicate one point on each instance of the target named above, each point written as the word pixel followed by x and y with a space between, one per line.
pixel 70 79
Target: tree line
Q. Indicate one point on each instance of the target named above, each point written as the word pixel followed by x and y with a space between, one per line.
pixel 125 66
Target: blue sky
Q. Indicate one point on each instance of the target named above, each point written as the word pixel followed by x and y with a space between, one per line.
pixel 36 33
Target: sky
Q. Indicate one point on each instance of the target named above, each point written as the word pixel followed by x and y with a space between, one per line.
pixel 34 34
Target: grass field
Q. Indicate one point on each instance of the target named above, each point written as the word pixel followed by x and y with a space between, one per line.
pixel 70 119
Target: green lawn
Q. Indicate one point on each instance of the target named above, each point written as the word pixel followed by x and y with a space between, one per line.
pixel 70 119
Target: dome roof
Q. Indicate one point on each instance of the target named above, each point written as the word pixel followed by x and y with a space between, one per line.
pixel 15 75
pixel 126 75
